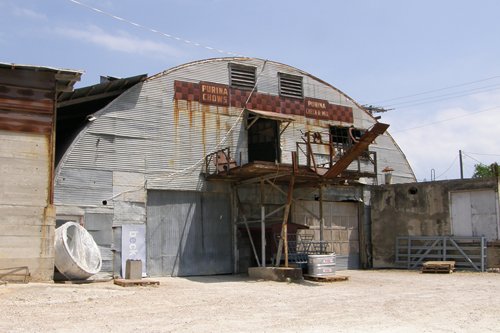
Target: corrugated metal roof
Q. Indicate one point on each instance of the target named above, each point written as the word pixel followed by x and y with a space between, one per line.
pixel 66 78
pixel 109 88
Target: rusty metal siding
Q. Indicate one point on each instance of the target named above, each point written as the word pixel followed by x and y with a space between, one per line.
pixel 147 130
pixel 26 101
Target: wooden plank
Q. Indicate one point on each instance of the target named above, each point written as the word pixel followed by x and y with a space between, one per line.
pixel 331 278
pixel 136 283
pixel 90 280
pixel 438 267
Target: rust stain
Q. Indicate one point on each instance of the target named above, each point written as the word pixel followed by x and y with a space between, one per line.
pixel 223 110
pixel 205 109
pixel 176 113
pixel 230 138
pixel 20 123
pixel 47 232
pixel 190 111
pixel 23 115
pixel 217 127
pixel 51 144
pixel 25 105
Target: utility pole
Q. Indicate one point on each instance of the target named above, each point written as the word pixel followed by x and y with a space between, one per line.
pixel 461 165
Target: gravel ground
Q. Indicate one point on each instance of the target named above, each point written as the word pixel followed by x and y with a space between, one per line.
pixel 371 301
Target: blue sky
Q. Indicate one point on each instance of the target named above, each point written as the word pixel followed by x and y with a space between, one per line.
pixel 443 54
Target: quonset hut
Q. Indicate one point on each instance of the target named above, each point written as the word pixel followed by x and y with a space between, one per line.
pixel 196 170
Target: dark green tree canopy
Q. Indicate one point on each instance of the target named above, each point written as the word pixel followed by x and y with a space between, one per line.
pixel 486 171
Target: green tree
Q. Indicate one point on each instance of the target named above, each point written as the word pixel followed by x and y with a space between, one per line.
pixel 486 171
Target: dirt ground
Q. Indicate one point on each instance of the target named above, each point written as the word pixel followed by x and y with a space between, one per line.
pixel 371 301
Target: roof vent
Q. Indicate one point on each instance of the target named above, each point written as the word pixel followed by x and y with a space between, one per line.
pixel 242 76
pixel 290 85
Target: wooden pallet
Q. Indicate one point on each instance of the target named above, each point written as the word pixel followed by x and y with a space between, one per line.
pixel 136 283
pixel 331 278
pixel 443 267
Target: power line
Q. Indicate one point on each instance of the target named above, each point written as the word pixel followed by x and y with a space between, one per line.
pixel 438 98
pixel 473 158
pixel 452 164
pixel 137 25
pixel 483 154
pixel 436 90
pixel 448 119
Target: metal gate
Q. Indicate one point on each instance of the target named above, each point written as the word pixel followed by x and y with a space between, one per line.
pixel 188 233
pixel 467 252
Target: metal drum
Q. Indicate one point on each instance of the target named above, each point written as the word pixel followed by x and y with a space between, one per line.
pixel 321 264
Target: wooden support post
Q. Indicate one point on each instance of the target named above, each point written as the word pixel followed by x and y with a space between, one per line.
pixel 284 227
pixel 262 225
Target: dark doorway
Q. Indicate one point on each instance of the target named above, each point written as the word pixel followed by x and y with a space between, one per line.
pixel 263 141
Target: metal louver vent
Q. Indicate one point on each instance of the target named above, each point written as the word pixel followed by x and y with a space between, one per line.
pixel 290 85
pixel 242 76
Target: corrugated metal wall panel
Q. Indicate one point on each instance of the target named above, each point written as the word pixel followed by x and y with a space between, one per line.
pixel 188 233
pixel 129 212
pixel 84 187
pixel 389 155
pixel 99 226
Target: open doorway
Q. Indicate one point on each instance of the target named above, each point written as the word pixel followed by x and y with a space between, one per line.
pixel 263 141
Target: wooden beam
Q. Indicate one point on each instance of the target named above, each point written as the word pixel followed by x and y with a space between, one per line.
pixel 356 150
pixel 284 228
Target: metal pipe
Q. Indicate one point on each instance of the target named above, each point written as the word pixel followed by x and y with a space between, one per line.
pixel 321 217
pixel 263 234
pixel 461 165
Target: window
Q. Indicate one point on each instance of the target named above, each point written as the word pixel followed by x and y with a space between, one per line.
pixel 242 77
pixel 340 135
pixel 345 135
pixel 290 85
